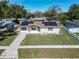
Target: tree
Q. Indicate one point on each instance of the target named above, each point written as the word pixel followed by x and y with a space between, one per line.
pixel 74 11
pixel 46 14
pixel 63 16
pixel 4 8
pixel 52 12
pixel 38 14
pixel 11 10
pixel 18 11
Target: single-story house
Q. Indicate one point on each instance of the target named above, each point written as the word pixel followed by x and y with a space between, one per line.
pixel 6 25
pixel 40 26
pixel 38 18
pixel 71 26
pixel 9 23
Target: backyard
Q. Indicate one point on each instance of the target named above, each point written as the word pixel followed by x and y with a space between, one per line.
pixel 50 39
pixel 7 38
pixel 49 53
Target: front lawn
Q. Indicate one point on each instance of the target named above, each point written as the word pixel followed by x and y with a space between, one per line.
pixel 7 38
pixel 49 53
pixel 1 50
pixel 50 39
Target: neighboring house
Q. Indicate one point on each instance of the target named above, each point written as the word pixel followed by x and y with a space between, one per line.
pixel 38 18
pixel 39 26
pixel 6 25
pixel 72 26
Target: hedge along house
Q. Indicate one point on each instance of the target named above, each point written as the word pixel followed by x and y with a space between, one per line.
pixel 40 26
pixel 71 26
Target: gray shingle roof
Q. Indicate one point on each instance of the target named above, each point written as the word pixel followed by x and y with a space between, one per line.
pixel 71 24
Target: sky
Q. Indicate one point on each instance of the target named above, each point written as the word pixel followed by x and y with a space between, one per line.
pixel 43 5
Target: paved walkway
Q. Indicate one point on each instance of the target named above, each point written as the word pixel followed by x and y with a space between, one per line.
pixel 12 49
pixel 50 46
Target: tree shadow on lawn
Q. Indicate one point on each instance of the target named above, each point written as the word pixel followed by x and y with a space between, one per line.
pixel 5 34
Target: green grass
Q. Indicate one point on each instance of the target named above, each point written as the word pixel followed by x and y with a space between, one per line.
pixel 7 39
pixel 49 53
pixel 77 34
pixel 50 39
pixel 1 50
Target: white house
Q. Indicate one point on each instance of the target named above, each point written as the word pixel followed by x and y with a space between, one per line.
pixel 40 27
pixel 71 26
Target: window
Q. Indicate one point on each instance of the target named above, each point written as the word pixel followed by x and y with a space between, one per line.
pixel 23 28
pixel 50 28
pixel 33 28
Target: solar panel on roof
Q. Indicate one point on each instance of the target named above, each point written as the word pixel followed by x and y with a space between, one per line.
pixel 50 23
pixel 26 23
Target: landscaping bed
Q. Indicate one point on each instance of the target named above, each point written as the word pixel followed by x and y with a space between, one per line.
pixel 50 39
pixel 7 38
pixel 49 53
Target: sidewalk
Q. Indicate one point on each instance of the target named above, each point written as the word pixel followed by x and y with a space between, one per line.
pixel 4 47
pixel 50 46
